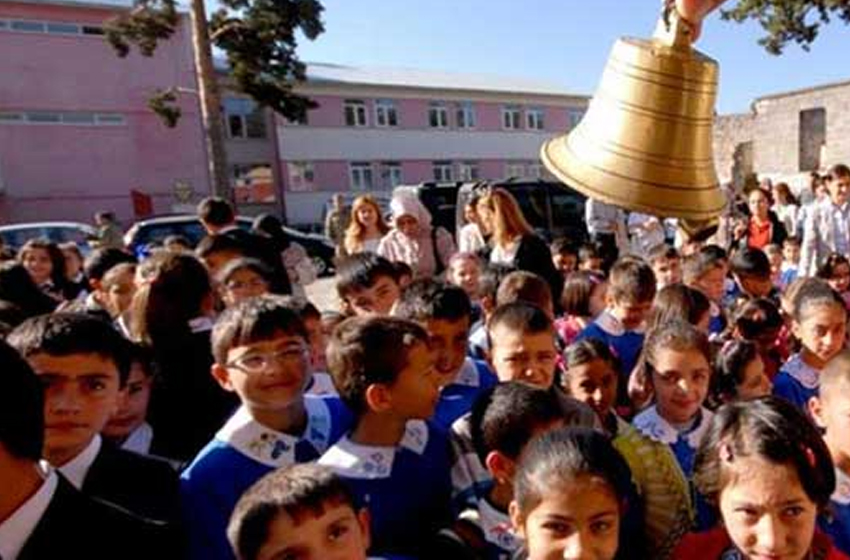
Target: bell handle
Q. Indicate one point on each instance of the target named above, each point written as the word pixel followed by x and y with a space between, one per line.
pixel 673 30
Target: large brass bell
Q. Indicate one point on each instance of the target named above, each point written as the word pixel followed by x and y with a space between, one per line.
pixel 645 143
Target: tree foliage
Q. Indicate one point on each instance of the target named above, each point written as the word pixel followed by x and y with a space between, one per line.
pixel 789 20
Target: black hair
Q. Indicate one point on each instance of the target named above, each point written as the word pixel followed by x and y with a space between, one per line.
pixel 17 287
pixel 220 243
pixel 729 365
pixel 772 429
pixel 563 246
pixel 519 316
pixel 753 316
pixel 559 456
pixel 826 271
pixel 587 350
pixel 662 251
pixel 253 320
pixel 254 265
pixel 750 263
pixel 491 278
pixel 67 334
pixel 301 305
pixel 295 491
pixel 678 302
pixel 361 271
pixel 590 251
pixel 216 211
pixel 57 260
pixel 11 314
pixel 270 226
pixel 715 252
pixel 505 417
pixel 100 261
pixel 425 299
pixel 364 351
pixel 631 279
pixel 675 335
pixel 814 294
pixel 21 407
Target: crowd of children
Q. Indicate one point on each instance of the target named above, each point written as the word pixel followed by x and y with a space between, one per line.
pixel 676 404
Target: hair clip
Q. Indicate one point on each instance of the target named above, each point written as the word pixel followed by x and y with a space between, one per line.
pixel 726 454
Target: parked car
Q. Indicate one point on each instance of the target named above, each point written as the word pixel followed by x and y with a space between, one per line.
pixel 152 231
pixel 551 208
pixel 15 235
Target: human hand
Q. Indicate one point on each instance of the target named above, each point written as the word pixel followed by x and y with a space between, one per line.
pixel 694 11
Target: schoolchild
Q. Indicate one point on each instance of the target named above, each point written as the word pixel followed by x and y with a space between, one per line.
pixel 367 284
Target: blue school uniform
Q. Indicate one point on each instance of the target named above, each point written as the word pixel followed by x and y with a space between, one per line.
pixel 406 488
pixel 501 543
pixel 456 398
pixel 716 320
pixel 321 384
pixel 684 447
pixel 240 454
pixel 836 522
pixel 797 382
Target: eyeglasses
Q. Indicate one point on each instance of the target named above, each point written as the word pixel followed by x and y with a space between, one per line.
pixel 260 362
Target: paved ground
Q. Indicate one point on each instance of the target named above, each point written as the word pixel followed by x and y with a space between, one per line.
pixel 323 294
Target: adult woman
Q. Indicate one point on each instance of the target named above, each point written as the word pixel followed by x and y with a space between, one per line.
pixel 413 240
pixel 366 226
pixel 513 241
pixel 785 206
pixel 763 227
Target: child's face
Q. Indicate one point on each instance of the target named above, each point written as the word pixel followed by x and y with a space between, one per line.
pixel 756 286
pixel 839 189
pixel 336 533
pixel 448 340
pixel 242 285
pixel 466 274
pixel 37 262
pixel 754 381
pixel 81 393
pixel 821 332
pixel 712 284
pixel 631 314
pixel 416 390
pixel 766 511
pixel 73 264
pixel 318 343
pixel 680 380
pixel 832 412
pixel 526 357
pixel 593 264
pixel 594 383
pixel 132 405
pixel 377 299
pixel 119 293
pixel 667 271
pixel 565 262
pixel 840 279
pixel 268 375
pixel 581 520
pixel 791 253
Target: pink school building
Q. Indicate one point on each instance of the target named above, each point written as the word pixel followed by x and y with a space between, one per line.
pixel 378 128
pixel 76 135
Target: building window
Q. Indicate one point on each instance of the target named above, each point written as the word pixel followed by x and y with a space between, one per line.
pixel 534 171
pixel 60 28
pixel 361 177
pixel 390 175
pixel 355 112
pixel 386 113
pixel 510 117
pixel 301 175
pixel 534 119
pixel 443 172
pixel 244 118
pixel 574 116
pixel 812 138
pixel 465 115
pixel 516 170
pixel 467 171
pixel 253 183
pixel 438 115
pixel 78 118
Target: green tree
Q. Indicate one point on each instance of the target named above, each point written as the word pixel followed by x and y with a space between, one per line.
pixel 259 39
pixel 789 20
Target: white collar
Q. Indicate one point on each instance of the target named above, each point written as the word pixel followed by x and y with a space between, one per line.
pixel 18 528
pixel 77 468
pixel 611 325
pixel 842 488
pixel 804 374
pixel 139 440
pixel 468 374
pixel 656 428
pixel 496 526
pixel 322 384
pixel 273 448
pixel 201 324
pixel 374 462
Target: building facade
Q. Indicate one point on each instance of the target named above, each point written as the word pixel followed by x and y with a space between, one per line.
pixel 76 135
pixel 375 129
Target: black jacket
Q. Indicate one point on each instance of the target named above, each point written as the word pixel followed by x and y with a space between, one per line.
pixel 263 249
pixel 534 256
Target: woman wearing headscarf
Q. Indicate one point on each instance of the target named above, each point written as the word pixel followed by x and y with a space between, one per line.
pixel 414 240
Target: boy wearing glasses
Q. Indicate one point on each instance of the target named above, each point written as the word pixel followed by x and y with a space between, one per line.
pixel 261 353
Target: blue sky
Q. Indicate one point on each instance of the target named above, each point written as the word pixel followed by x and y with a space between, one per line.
pixel 561 41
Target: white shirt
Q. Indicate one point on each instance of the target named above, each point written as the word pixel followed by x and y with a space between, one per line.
pixel 17 529
pixel 506 255
pixel 77 468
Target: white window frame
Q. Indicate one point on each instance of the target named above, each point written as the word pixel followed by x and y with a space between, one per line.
pixel 511 117
pixel 535 119
pixel 534 170
pixel 574 116
pixel 386 113
pixel 465 115
pixel 440 112
pixel 358 172
pixel 391 174
pixel 302 175
pixel 443 171
pixel 62 118
pixel 51 27
pixel 357 107
pixel 515 169
pixel 468 171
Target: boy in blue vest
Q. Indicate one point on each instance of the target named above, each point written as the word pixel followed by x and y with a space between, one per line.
pixel 396 463
pixel 262 354
pixel 444 311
